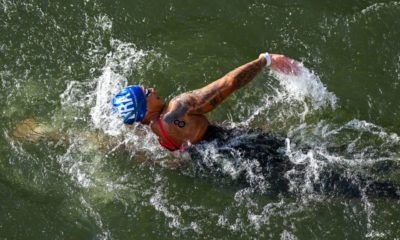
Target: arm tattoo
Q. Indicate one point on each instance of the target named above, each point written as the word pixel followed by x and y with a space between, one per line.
pixel 212 96
pixel 180 124
pixel 207 98
pixel 176 113
pixel 244 74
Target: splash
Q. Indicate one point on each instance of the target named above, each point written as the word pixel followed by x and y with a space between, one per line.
pixel 287 93
pixel 378 6
pixel 113 78
pixel 316 150
pixel 306 86
pixel 294 97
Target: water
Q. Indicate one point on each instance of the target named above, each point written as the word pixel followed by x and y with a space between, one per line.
pixel 88 177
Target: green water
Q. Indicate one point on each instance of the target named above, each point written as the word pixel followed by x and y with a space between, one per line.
pixel 60 60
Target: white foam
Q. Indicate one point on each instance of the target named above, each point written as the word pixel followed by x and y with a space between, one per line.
pixel 281 208
pixel 377 6
pixel 158 203
pixel 293 97
pixel 96 94
pixel 306 90
pixel 306 86
pixel 118 67
pixel 106 233
pixel 103 22
pixel 286 235
pixel 171 210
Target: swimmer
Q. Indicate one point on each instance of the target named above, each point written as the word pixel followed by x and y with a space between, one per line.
pixel 251 155
pixel 178 124
pixel 182 121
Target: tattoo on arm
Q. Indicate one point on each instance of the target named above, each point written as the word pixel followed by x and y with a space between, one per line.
pixel 212 95
pixel 207 98
pixel 180 124
pixel 178 110
pixel 244 74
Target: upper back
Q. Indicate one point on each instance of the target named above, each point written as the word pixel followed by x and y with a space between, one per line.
pixel 186 128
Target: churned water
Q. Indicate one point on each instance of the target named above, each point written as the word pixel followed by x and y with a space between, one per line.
pixel 69 169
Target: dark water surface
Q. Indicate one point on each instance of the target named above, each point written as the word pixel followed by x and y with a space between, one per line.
pixel 82 175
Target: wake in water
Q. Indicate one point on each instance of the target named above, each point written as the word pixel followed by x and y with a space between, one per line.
pixel 284 143
pixel 266 162
pixel 320 158
pixel 311 160
pixel 297 156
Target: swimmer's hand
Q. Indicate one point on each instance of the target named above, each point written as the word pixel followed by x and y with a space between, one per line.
pixel 283 64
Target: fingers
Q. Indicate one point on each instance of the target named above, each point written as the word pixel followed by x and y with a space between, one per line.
pixel 284 64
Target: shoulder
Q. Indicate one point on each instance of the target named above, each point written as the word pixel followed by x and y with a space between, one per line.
pixel 175 109
pixel 184 97
pixel 181 102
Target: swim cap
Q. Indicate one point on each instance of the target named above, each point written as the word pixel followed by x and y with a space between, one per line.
pixel 130 103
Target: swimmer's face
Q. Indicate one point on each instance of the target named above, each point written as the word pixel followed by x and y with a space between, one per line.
pixel 153 101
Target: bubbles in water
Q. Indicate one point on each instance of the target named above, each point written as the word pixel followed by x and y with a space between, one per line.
pixel 287 236
pixel 397 81
pixel 377 6
pixel 317 151
pixel 103 133
pixel 159 204
pixel 103 22
pixel 105 234
pixel 306 86
pixel 294 97
pixel 114 77
pixel 312 146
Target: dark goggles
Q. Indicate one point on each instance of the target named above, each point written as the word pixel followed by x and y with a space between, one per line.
pixel 147 92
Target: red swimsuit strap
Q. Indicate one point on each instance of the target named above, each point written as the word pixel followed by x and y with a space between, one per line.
pixel 170 144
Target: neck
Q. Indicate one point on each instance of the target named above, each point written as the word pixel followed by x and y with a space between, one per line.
pixel 152 115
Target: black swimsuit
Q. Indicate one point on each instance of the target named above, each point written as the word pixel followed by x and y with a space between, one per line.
pixel 258 159
pixel 260 152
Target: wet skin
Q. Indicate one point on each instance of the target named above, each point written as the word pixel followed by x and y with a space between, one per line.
pixel 183 117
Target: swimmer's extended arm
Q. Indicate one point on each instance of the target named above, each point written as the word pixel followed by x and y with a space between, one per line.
pixel 207 98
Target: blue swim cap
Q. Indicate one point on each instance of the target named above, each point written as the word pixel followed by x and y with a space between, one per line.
pixel 130 103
